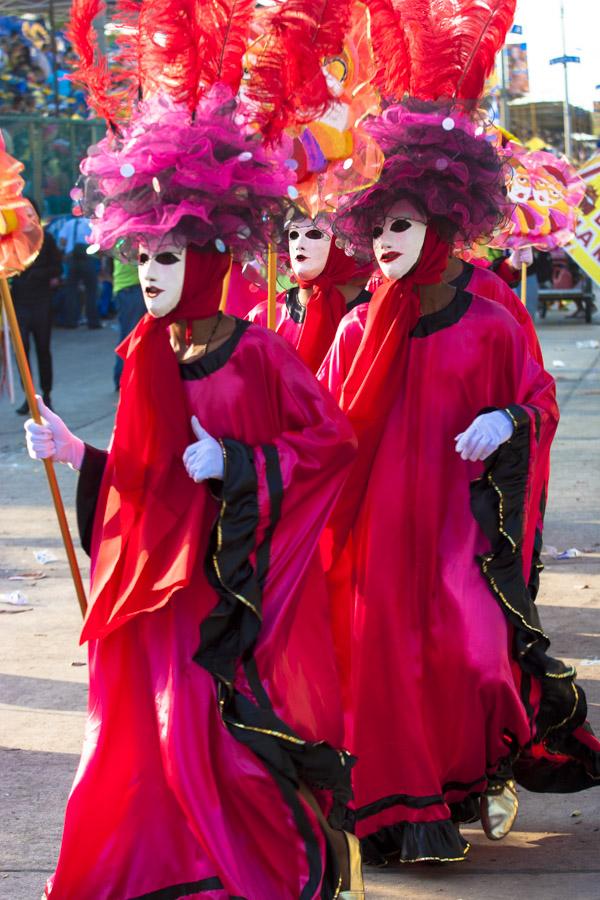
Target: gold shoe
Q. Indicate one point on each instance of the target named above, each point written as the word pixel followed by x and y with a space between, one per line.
pixel 499 808
pixel 357 885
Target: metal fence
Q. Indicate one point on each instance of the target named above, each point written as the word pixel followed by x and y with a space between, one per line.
pixel 51 150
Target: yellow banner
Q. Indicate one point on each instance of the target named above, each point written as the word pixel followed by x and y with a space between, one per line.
pixel 585 249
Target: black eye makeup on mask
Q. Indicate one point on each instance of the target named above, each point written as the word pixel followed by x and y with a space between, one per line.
pixel 312 234
pixel 400 225
pixel 167 258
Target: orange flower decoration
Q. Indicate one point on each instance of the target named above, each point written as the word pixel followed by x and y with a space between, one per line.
pixel 21 234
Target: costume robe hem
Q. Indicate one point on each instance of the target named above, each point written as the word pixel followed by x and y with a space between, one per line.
pixel 228 636
pixel 564 755
pixel 411 842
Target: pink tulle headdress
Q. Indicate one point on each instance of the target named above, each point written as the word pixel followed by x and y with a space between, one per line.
pixel 170 178
pixel 432 60
pixel 183 161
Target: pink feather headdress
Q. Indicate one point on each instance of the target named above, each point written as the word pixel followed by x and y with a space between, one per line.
pixel 182 156
pixel 432 59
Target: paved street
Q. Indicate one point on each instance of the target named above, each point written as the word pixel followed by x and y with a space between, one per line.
pixel 554 850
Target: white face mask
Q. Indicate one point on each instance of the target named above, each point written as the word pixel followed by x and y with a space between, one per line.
pixel 309 248
pixel 161 277
pixel 398 240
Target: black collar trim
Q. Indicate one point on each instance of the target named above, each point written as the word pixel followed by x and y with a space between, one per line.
pixel 446 317
pixel 214 359
pixel 461 282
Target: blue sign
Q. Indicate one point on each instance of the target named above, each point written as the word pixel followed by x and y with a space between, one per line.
pixel 565 59
pixel 516 29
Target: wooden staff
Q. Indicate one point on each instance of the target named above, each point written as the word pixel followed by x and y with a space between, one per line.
pixel 272 287
pixel 524 283
pixel 225 288
pixel 25 372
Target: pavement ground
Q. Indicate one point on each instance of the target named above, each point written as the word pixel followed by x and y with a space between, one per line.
pixel 554 849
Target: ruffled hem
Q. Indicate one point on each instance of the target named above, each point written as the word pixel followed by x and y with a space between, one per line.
pixel 411 842
pixel 564 755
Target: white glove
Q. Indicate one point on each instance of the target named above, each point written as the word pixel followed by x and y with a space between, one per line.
pixel 204 458
pixel 484 435
pixel 518 257
pixel 52 439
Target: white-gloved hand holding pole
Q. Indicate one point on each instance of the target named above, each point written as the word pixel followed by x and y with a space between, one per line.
pixel 484 435
pixel 520 258
pixel 204 458
pixel 52 439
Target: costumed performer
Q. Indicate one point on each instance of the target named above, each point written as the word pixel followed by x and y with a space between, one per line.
pixel 440 516
pixel 330 284
pixel 210 765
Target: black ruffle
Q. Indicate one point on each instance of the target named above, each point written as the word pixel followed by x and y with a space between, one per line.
pixel 228 637
pixel 498 503
pixel 438 841
pixel 88 489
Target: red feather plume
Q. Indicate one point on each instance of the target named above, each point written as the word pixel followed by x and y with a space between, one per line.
pixel 286 79
pixel 451 45
pixel 91 70
pixel 179 47
pixel 390 49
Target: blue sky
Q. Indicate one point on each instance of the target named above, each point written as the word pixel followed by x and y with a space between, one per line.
pixel 541 31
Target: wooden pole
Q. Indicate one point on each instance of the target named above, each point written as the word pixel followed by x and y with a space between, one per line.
pixel 524 284
pixel 272 288
pixel 25 372
pixel 225 288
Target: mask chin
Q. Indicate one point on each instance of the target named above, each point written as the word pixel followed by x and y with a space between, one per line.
pixel 161 276
pixel 310 269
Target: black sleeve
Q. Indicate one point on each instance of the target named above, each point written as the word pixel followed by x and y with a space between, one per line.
pixel 88 489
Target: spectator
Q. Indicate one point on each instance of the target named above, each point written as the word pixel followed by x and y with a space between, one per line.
pixel 129 300
pixel 32 294
pixel 81 270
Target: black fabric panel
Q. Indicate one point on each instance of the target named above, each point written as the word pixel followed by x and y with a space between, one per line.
pixel 275 488
pixel 294 307
pixel 446 317
pixel 413 802
pixel 228 636
pixel 498 503
pixel 233 626
pixel 88 489
pixel 175 891
pixel 214 359
pixel 439 841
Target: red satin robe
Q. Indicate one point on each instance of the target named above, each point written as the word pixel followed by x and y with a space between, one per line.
pixel 204 714
pixel 448 683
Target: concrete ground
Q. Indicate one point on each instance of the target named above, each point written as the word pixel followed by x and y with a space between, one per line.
pixel 554 850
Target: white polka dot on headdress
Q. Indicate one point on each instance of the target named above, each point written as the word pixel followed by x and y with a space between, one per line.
pixel 220 245
pixel 448 123
pixel 127 170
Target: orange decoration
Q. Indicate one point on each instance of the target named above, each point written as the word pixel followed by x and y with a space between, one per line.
pixel 20 230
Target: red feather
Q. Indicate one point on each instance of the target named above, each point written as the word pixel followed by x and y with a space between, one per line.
pixel 181 47
pixel 286 79
pixel 91 70
pixel 452 45
pixel 390 49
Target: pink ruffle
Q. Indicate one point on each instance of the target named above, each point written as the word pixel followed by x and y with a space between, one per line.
pixel 206 179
